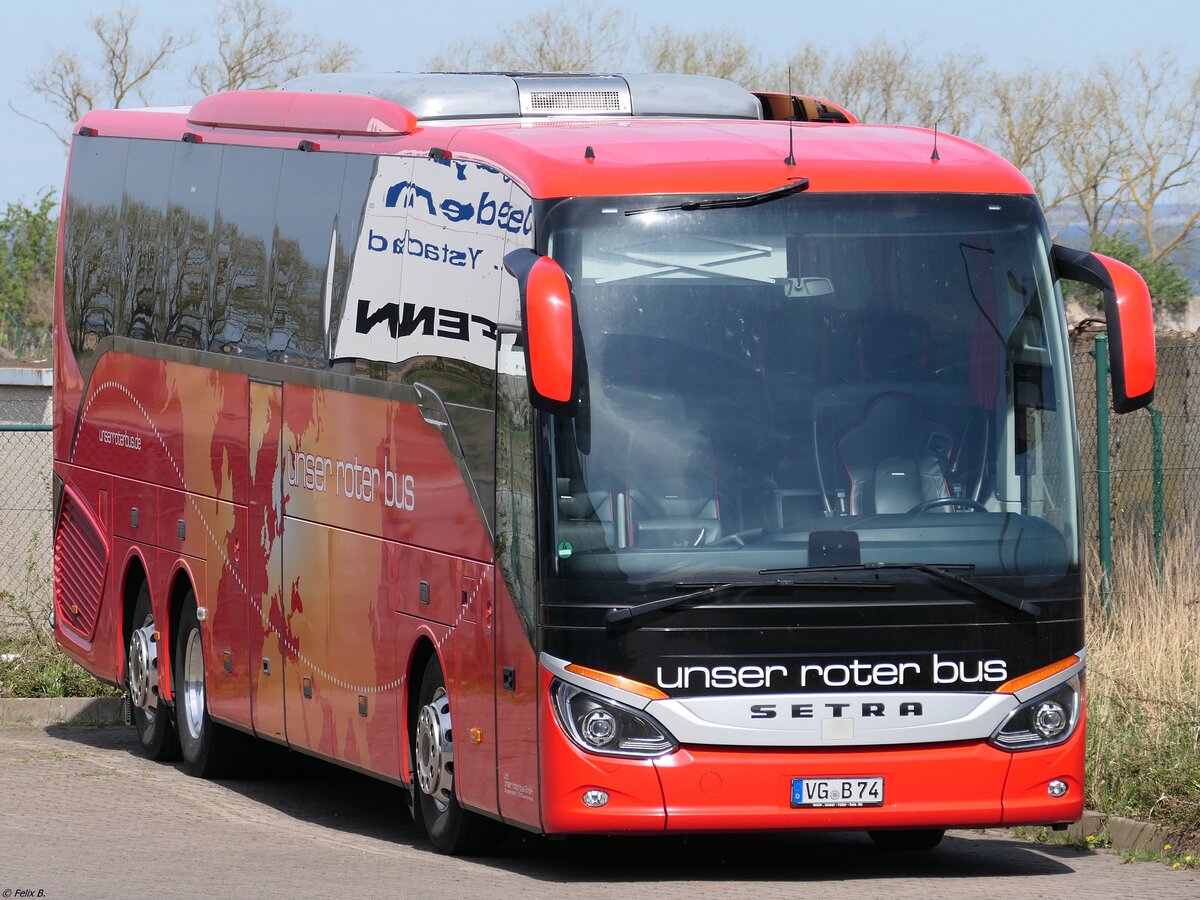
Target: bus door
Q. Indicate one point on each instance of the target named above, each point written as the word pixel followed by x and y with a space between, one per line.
pixel 264 560
pixel 475 738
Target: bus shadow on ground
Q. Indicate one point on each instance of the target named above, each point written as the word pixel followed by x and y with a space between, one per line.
pixel 325 795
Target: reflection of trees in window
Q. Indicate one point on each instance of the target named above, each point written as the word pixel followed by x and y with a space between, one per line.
pixel 144 227
pixel 310 195
pixel 188 250
pixel 237 311
pixel 241 250
pixel 91 272
pixel 296 302
pixel 91 255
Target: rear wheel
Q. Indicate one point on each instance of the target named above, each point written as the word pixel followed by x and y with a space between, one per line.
pixel 921 839
pixel 152 719
pixel 209 749
pixel 451 829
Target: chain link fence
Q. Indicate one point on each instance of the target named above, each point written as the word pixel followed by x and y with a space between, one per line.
pixel 1153 454
pixel 25 528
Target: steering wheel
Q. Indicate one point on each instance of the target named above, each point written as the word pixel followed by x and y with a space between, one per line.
pixel 947 501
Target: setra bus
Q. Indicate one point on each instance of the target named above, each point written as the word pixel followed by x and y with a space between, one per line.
pixel 611 454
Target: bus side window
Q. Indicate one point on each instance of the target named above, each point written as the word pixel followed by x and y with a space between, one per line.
pixel 245 230
pixel 310 192
pixel 143 237
pixel 360 170
pixel 91 267
pixel 189 244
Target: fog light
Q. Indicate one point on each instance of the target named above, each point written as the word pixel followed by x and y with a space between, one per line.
pixel 595 798
pixel 1049 719
pixel 1057 788
pixel 599 728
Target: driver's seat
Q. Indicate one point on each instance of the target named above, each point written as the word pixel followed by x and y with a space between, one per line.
pixel 895 458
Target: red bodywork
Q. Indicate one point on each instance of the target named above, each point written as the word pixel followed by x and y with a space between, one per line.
pixel 317 621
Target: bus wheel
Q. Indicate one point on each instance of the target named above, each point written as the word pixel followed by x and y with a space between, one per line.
pixel 451 829
pixel 152 719
pixel 208 748
pixel 921 839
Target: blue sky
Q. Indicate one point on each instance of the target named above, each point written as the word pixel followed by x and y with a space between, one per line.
pixel 402 35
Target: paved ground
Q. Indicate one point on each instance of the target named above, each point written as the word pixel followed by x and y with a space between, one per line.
pixel 83 814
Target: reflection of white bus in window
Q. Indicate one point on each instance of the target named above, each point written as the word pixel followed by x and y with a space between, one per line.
pixel 699 460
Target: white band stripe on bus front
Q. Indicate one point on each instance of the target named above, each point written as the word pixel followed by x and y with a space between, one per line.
pixel 283 639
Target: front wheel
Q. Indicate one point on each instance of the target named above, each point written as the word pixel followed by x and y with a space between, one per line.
pixel 451 829
pixel 209 749
pixel 917 839
pixel 150 715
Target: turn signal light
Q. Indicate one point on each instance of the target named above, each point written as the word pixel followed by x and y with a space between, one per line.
pixel 618 681
pixel 1013 685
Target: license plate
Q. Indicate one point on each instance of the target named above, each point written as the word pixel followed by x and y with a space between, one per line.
pixel 824 792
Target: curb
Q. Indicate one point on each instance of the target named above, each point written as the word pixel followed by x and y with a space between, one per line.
pixel 43 711
pixel 1129 835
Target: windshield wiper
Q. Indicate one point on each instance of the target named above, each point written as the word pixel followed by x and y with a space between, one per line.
pixel 617 616
pixel 793 187
pixel 982 590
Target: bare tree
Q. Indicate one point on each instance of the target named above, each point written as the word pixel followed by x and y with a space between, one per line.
pixel 948 93
pixel 717 52
pixel 1160 162
pixel 1022 120
pixel 556 39
pixel 257 48
pixel 1088 155
pixel 876 81
pixel 75 85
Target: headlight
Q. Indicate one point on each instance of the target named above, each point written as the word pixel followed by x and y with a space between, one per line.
pixel 600 725
pixel 1044 721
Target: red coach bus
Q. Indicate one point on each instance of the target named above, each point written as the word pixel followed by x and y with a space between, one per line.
pixel 583 453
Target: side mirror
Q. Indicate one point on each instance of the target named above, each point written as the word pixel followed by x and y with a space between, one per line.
pixel 1130 320
pixel 551 329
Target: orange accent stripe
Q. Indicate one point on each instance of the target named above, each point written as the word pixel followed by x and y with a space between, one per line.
pixel 618 681
pixel 1023 681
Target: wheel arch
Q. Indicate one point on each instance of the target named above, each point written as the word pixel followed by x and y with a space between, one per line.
pixel 134 574
pixel 182 583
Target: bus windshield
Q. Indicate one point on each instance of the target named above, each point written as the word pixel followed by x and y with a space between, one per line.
pixel 817 380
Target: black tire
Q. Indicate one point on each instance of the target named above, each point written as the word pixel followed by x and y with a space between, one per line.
pixel 452 830
pixel 914 840
pixel 209 750
pixel 154 723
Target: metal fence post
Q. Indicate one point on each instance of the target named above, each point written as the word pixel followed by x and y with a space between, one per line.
pixel 1103 485
pixel 1156 429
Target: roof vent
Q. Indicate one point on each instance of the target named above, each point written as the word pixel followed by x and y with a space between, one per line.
pixel 569 95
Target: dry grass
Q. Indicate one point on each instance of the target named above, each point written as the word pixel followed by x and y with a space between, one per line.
pixel 1144 682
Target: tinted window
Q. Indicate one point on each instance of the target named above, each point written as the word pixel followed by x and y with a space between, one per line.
pixel 245 227
pixel 310 193
pixel 359 172
pixel 187 268
pixel 143 237
pixel 91 265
